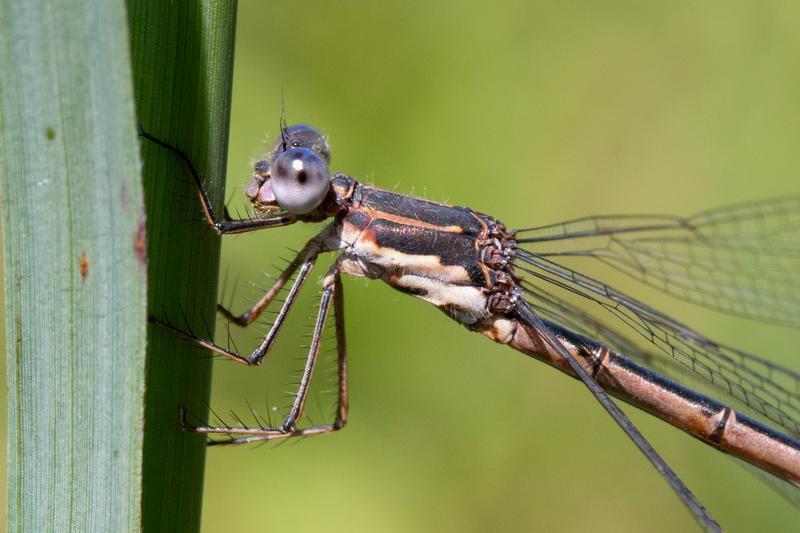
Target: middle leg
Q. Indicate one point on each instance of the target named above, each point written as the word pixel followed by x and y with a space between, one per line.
pixel 304 262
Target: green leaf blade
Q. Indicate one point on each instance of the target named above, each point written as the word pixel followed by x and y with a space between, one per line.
pixel 75 281
pixel 182 61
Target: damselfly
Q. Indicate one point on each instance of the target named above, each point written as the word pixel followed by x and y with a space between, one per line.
pixel 511 286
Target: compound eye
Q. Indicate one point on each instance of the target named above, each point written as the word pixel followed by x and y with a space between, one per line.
pixel 299 179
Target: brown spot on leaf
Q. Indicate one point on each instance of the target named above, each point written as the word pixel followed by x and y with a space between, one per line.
pixel 140 241
pixel 123 193
pixel 83 265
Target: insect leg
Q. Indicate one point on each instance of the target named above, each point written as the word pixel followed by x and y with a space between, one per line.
pixel 266 344
pixel 331 293
pixel 341 353
pixel 309 251
pixel 225 224
pixel 304 261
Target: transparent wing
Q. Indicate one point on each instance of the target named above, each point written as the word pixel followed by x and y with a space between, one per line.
pixel 765 389
pixel 743 260
pixel 557 309
pixel 783 488
pixel 529 319
pixel 560 310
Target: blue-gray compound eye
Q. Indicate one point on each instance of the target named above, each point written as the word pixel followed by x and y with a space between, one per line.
pixel 299 179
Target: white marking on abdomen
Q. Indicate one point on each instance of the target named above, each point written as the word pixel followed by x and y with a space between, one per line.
pixel 469 300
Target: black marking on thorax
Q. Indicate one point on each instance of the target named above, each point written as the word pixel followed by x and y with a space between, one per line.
pixel 451 248
pixel 417 209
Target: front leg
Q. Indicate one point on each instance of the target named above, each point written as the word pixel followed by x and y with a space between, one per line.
pixel 324 241
pixel 225 224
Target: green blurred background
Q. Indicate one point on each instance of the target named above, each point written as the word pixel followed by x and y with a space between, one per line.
pixel 534 112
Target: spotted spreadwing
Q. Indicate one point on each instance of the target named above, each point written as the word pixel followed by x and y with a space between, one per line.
pixel 514 287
